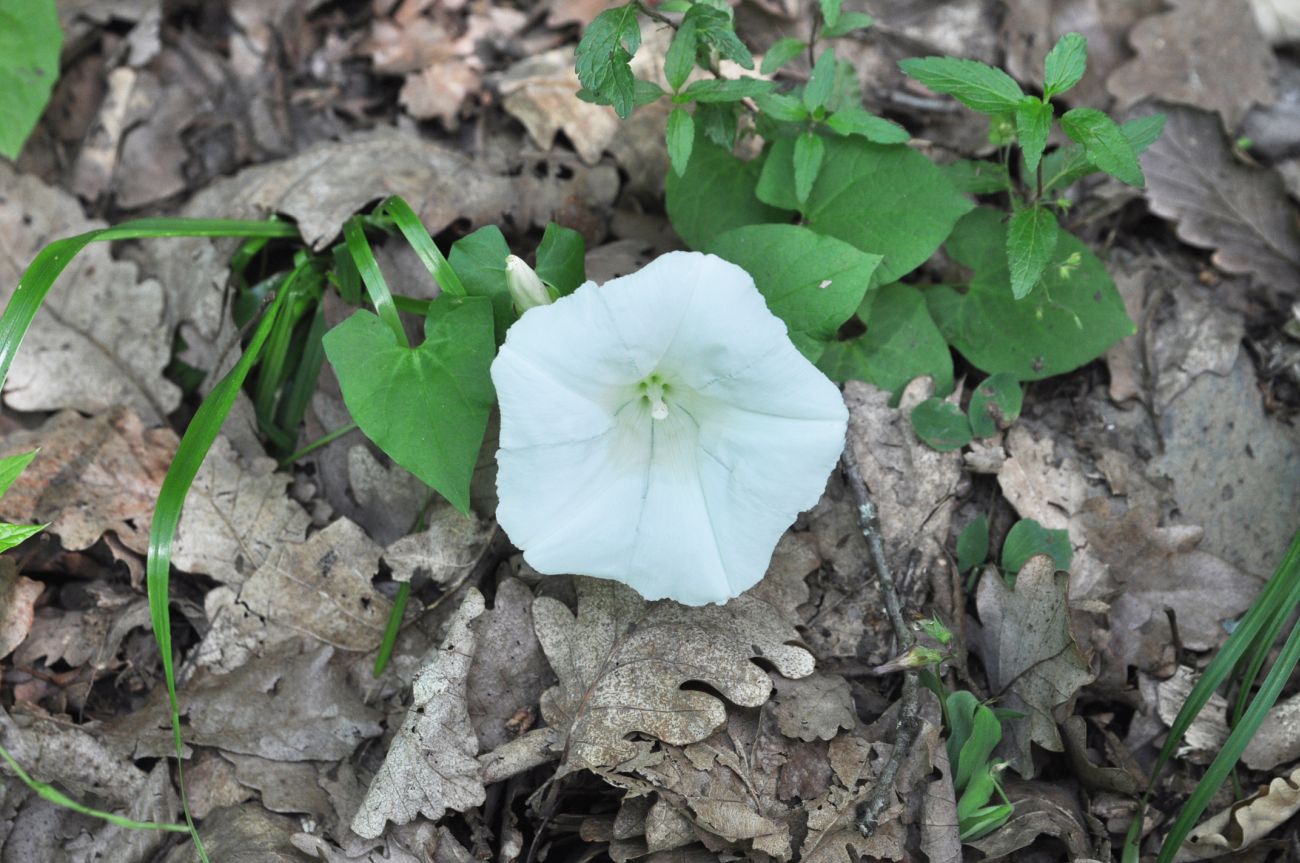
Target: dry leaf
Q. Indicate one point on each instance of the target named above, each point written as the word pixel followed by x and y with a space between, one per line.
pixel 18 595
pixel 541 92
pixel 322 587
pixel 448 548
pixel 1241 212
pixel 91 476
pixel 1032 659
pixel 509 672
pixel 815 707
pixel 101 338
pixel 81 761
pixel 1177 61
pixel 1205 736
pixel 439 91
pixel 430 766
pixel 1040 810
pixel 622 661
pixel 235 516
pixel 1245 822
pixel 246 832
pixel 91 633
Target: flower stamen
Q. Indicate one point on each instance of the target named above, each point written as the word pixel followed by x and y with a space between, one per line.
pixel 652 392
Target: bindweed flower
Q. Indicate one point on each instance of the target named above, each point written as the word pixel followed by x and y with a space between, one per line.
pixel 660 430
pixel 526 288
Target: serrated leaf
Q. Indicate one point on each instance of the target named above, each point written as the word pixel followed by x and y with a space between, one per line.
pixel 812 282
pixel 1031 240
pixel 1065 165
pixel 976 85
pixel 603 56
pixel 561 258
pixel 715 195
pixel 716 27
pixel 860 193
pixel 973 544
pixel 977 177
pixel 727 89
pixel 778 106
pixel 901 344
pixel 817 93
pixel 1084 318
pixel 1028 538
pixel 1104 143
pixel 857 121
pixel 941 425
pixel 426 407
pixel 849 21
pixel 681 138
pixel 30 42
pixel 1065 64
pixel 1033 123
pixel 781 52
pixel 717 122
pixel 995 404
pixel 809 149
pixel 680 58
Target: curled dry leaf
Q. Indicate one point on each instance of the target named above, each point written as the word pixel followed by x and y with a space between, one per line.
pixel 1245 822
pixel 1176 62
pixel 430 766
pixel 1241 212
pixel 92 475
pixel 1030 654
pixel 18 595
pixel 101 338
pixel 622 661
pixel 448 548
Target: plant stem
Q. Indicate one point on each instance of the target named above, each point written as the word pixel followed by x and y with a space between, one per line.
pixel 317 444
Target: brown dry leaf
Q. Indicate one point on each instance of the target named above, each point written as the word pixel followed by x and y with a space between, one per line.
pixel 18 595
pixel 579 12
pixel 91 634
pixel 1241 212
pixel 541 92
pixel 1208 731
pixel 1245 822
pixel 1030 654
pixel 322 587
pixel 430 766
pixel 81 761
pixel 1278 739
pixel 101 338
pixel 91 476
pixel 246 832
pixel 509 672
pixel 448 548
pixel 235 516
pixel 1040 810
pixel 621 662
pixel 1207 53
pixel 439 91
pixel 815 707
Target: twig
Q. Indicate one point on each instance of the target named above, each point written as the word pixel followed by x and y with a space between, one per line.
pixel 909 708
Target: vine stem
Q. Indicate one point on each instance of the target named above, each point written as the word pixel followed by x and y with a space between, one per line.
pixel 909 720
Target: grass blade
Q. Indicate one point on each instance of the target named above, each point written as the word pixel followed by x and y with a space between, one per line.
pixel 413 230
pixel 359 247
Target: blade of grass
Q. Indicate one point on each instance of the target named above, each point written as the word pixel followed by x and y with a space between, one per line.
pixel 39 277
pixel 317 444
pixel 359 247
pixel 413 230
pixel 48 792
pixel 311 357
pixel 194 446
pixel 392 628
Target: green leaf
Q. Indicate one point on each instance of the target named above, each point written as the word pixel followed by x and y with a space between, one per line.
pixel 901 343
pixel 715 195
pixel 812 282
pixel 1070 163
pixel 888 200
pixel 941 425
pixel 14 534
pixel 818 91
pixel 831 11
pixel 995 404
pixel 11 467
pixel 681 138
pixel 856 121
pixel 1065 64
pixel 849 21
pixel 973 544
pixel 983 821
pixel 479 259
pixel 985 732
pixel 1033 123
pixel 680 59
pixel 645 92
pixel 1031 240
pixel 778 106
pixel 716 28
pixel 976 85
pixel 727 89
pixel 809 149
pixel 561 258
pixel 977 177
pixel 604 54
pixel 426 407
pixel 717 122
pixel 1028 538
pixel 781 52
pixel 30 42
pixel 1032 340
pixel 1104 143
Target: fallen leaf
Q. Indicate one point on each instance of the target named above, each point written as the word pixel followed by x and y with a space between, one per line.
pixel 448 548
pixel 245 832
pixel 1241 212
pixel 156 801
pixel 101 338
pixel 815 707
pixel 18 595
pixel 1030 654
pixel 322 587
pixel 235 516
pixel 1040 810
pixel 542 93
pixel 430 766
pixel 621 662
pixel 81 761
pixel 1178 63
pixel 1209 729
pixel 1278 739
pixel 1245 822
pixel 91 476
pixel 91 633
pixel 509 672
pixel 439 91
pixel 387 498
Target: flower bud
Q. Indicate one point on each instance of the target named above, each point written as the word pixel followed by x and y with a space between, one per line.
pixel 915 658
pixel 526 289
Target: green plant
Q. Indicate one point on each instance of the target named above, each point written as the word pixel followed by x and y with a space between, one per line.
pixel 30 41
pixel 1025 539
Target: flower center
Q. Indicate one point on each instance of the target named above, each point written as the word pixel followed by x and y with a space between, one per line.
pixel 653 389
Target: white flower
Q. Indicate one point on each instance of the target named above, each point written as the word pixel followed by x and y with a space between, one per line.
pixel 526 289
pixel 660 430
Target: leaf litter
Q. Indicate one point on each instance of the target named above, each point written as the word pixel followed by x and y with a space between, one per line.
pixel 1169 478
